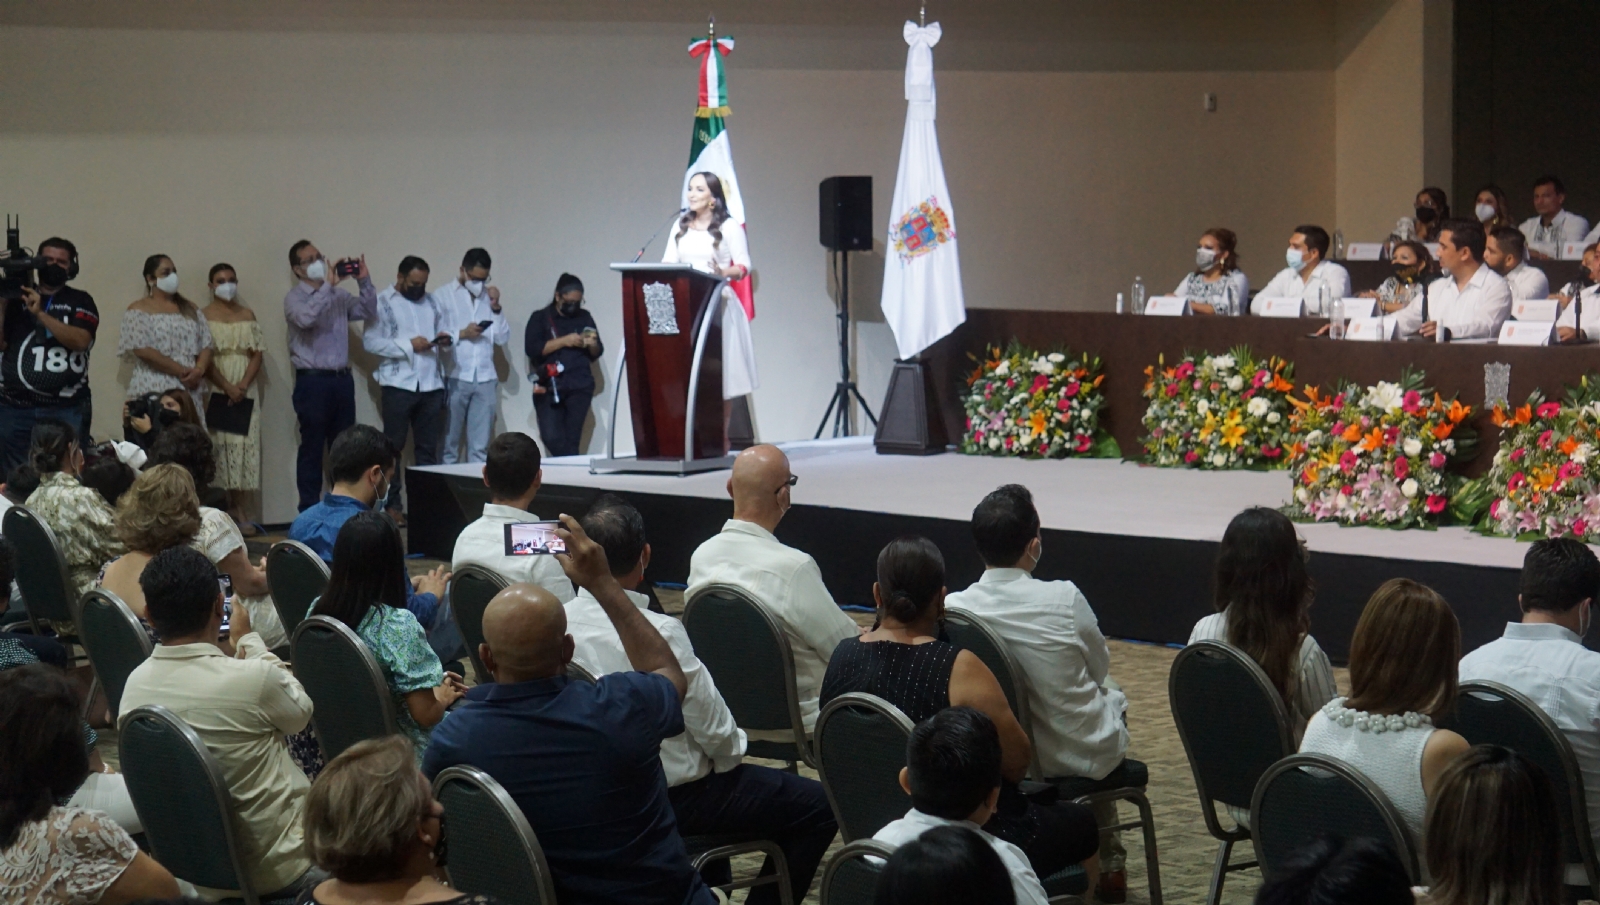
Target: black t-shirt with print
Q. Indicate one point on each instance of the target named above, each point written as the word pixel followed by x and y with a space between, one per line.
pixel 36 370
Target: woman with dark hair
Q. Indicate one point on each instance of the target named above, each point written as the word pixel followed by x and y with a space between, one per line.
pixel 1432 209
pixel 1494 832
pixel 175 406
pixel 1216 285
pixel 234 368
pixel 52 854
pixel 367 592
pixel 562 340
pixel 1330 871
pixel 188 444
pixel 905 661
pixel 706 239
pixel 1413 269
pixel 947 865
pixel 82 522
pixel 1492 209
pixel 165 336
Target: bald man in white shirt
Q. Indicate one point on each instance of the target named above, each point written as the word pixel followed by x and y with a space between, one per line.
pixel 1470 301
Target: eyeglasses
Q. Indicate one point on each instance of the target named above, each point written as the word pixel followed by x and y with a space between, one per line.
pixel 793 480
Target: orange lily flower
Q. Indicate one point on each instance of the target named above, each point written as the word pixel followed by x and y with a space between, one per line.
pixel 1458 412
pixel 1371 441
pixel 1569 446
pixel 1037 422
pixel 1441 431
pixel 1352 433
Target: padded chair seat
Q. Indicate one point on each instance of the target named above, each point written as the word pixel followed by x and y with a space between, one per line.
pixel 1069 881
pixel 1130 773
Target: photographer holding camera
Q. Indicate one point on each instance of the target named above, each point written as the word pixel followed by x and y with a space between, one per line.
pixel 44 368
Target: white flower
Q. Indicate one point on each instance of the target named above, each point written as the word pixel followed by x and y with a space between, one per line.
pixel 1043 366
pixel 1412 446
pixel 1313 438
pixel 1223 362
pixel 1208 362
pixel 1236 383
pixel 1302 495
pixel 1409 488
pixel 1385 395
pixel 1592 410
pixel 994 442
pixel 1056 357
pixel 1257 406
pixel 1448 447
pixel 1582 453
pixel 1019 399
pixel 1219 460
pixel 1202 407
pixel 1274 417
pixel 1501 456
pixel 1004 368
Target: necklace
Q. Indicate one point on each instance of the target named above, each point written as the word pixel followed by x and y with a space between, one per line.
pixel 1376 723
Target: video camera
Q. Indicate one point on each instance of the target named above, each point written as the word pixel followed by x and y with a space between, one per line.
pixel 17 264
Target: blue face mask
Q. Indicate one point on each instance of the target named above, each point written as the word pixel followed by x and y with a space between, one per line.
pixel 1296 258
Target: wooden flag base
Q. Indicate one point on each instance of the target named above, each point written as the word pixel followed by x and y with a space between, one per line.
pixel 909 423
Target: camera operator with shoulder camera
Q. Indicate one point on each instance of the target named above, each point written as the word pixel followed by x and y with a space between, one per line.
pixel 47 333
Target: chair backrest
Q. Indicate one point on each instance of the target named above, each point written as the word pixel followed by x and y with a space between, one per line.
pixel 492 851
pixel 471 589
pixel 182 799
pixel 861 748
pixel 851 877
pixel 1305 795
pixel 578 673
pixel 1489 713
pixel 296 575
pixel 350 697
pixel 968 631
pixel 115 640
pixel 1232 721
pixel 41 567
pixel 745 648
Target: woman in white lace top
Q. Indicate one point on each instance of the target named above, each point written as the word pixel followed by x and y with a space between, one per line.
pixel 1216 285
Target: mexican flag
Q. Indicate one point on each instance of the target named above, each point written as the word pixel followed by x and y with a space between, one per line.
pixel 710 150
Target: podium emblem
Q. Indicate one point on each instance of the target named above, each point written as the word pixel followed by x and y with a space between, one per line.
pixel 660 309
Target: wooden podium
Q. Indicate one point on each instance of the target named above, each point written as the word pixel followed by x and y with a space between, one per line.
pixel 672 356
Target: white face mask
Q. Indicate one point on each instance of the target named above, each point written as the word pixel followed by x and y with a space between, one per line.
pixel 1485 212
pixel 316 270
pixel 474 287
pixel 1205 257
pixel 168 283
pixel 1295 258
pixel 226 291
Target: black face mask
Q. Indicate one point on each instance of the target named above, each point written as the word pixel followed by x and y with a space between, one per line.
pixel 1407 273
pixel 53 275
pixel 568 309
pixel 1426 215
pixel 167 417
pixel 413 293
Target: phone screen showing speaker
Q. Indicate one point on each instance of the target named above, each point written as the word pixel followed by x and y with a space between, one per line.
pixel 533 539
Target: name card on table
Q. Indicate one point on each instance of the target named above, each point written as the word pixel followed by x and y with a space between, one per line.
pixel 1571 251
pixel 1283 306
pixel 1527 333
pixel 1167 306
pixel 1371 329
pixel 1535 309
pixel 1363 251
pixel 1359 307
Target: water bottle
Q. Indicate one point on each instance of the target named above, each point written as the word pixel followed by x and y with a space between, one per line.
pixel 1338 244
pixel 1137 296
pixel 1119 303
pixel 1336 319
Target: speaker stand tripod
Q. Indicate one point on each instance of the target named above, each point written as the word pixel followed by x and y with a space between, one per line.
pixel 839 405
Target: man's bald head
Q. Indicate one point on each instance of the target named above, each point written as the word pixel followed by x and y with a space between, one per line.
pixel 759 485
pixel 525 635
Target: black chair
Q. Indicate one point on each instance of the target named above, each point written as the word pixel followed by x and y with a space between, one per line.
pixel 493 850
pixel 181 796
pixel 578 673
pixel 747 653
pixel 1234 726
pixel 1305 795
pixel 1489 713
pixel 350 696
pixel 861 748
pixel 471 589
pixel 1127 782
pixel 296 575
pixel 41 570
pixel 851 877
pixel 114 639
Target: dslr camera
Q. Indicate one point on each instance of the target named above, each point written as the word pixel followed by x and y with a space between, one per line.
pixel 17 264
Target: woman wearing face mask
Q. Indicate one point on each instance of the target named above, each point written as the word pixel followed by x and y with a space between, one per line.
pixel 1217 285
pixel 1492 209
pixel 233 372
pixel 561 340
pixel 175 406
pixel 1413 267
pixel 705 239
pixel 165 336
pixel 1433 208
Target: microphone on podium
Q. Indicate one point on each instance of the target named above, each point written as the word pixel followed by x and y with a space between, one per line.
pixel 675 215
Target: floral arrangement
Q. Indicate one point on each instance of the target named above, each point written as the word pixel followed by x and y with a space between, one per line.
pixel 1021 402
pixel 1218 411
pixel 1545 481
pixel 1377 455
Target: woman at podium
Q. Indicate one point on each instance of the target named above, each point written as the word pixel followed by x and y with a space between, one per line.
pixel 701 242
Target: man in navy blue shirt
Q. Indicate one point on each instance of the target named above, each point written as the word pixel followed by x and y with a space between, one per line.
pixel 582 761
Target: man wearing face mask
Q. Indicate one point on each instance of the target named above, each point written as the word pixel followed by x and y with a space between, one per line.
pixel 1553 225
pixel 1506 253
pixel 1470 301
pixel 319 312
pixel 44 369
pixel 561 340
pixel 1544 656
pixel 406 335
pixel 472 314
pixel 1309 276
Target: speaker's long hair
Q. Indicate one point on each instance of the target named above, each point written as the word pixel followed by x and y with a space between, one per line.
pixel 719 209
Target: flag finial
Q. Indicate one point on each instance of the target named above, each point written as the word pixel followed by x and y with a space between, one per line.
pixel 711 26
pixel 922 16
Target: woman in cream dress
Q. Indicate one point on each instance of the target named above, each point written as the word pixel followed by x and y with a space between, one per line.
pixel 700 241
pixel 235 364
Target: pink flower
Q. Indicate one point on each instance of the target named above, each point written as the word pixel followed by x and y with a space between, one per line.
pixel 1185 370
pixel 1073 388
pixel 1009 442
pixel 1271 452
pixel 1039 383
pixel 1063 405
pixel 1261 378
pixel 1517 454
pixel 1436 460
pixel 1338 427
pixel 1544 439
pixel 1084 443
pixel 1411 401
pixel 1494 509
pixel 1435 503
pixel 1172 389
pixel 1011 384
pixel 1580 527
pixel 1402 467
pixel 1347 490
pixel 1347 462
pixel 1569 470
pixel 1391 436
pixel 1216 387
pixel 1516 481
pixel 1190 457
pixel 1549 410
pixel 1338 403
pixel 1198 384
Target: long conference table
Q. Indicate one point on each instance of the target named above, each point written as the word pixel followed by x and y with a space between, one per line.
pixel 1127 344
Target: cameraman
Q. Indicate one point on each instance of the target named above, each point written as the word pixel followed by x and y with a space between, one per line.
pixel 44 369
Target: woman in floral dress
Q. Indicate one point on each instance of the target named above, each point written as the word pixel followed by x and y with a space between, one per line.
pixel 165 336
pixel 235 365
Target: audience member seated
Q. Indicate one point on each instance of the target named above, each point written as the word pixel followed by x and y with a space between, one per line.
pixel 1505 251
pixel 1544 656
pixel 1216 285
pixel 1494 832
pixel 1568 327
pixel 367 592
pixel 712 793
pixel 1331 871
pixel 953 774
pixel 1432 210
pixel 78 516
pixel 361 463
pixel 373 824
pixel 582 761
pixel 1402 676
pixel 1552 225
pixel 1077 710
pixel 52 854
pixel 190 446
pixel 947 865
pixel 105 472
pixel 1492 209
pixel 1309 276
pixel 1470 301
pixel 1413 268
pixel 903 661
pixel 787 581
pixel 512 475
pixel 159 511
pixel 242 706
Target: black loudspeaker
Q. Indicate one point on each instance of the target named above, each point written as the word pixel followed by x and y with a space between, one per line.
pixel 845 216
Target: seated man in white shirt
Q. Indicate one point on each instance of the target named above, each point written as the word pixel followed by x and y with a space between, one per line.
pixel 711 791
pixel 745 554
pixel 1309 276
pixel 1544 657
pixel 404 334
pixel 513 476
pixel 952 774
pixel 241 707
pixel 1470 301
pixel 1580 307
pixel 1506 252
pixel 1552 226
pixel 1077 710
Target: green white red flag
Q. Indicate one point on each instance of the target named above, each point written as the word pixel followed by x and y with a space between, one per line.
pixel 710 148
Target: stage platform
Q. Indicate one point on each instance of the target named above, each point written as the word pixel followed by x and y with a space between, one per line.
pixel 1139 541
